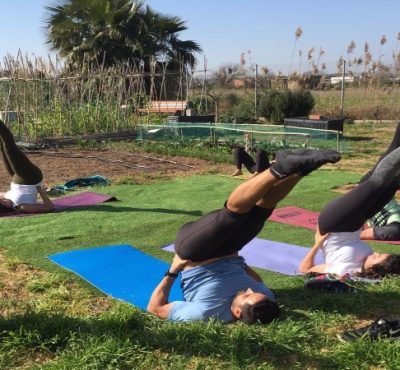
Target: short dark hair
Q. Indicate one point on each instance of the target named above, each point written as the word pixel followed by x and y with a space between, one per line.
pixel 390 266
pixel 263 312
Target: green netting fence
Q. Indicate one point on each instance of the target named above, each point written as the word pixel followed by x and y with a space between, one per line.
pixel 260 136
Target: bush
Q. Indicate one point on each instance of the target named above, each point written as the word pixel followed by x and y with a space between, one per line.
pixel 240 112
pixel 202 104
pixel 275 105
pixel 231 100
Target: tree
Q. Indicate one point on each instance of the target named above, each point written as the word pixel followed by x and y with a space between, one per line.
pixel 159 39
pixel 110 32
pixel 222 83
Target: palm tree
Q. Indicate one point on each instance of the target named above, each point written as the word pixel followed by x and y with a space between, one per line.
pixel 160 47
pixel 159 39
pixel 109 32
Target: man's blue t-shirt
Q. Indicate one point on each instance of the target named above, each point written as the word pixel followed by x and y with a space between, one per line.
pixel 209 290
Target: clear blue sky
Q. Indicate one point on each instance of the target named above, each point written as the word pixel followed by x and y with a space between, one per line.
pixel 226 28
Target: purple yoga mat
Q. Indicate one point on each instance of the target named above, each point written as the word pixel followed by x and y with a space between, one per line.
pixel 86 198
pixel 272 256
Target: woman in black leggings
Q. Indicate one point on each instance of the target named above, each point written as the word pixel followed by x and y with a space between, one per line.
pixel 385 224
pixel 341 220
pixel 241 157
pixel 26 179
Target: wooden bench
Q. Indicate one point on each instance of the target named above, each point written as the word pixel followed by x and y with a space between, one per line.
pixel 164 106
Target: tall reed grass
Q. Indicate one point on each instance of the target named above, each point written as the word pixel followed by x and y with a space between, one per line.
pixel 48 100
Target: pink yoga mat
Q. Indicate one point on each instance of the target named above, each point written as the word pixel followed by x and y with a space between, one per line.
pixel 295 216
pixel 86 198
pixel 304 218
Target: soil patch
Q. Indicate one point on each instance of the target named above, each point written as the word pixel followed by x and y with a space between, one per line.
pixel 343 189
pixel 61 165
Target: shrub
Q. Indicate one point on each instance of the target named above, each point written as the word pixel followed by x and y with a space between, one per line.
pixel 240 112
pixel 231 100
pixel 275 105
pixel 202 104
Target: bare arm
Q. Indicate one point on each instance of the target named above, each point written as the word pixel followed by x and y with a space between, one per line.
pixel 46 206
pixel 308 264
pixel 158 304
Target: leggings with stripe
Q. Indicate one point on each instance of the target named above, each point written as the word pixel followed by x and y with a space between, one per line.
pixel 349 211
pixel 17 164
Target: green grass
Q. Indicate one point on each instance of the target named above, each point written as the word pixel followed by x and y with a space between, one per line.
pixel 58 327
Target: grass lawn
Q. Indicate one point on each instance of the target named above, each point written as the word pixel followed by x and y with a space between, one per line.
pixel 51 319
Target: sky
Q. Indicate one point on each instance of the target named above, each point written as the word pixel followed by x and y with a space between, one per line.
pixel 264 30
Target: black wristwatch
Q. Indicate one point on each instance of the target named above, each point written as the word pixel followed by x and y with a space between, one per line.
pixel 170 274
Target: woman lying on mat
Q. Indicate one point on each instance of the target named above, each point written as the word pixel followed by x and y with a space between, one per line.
pixel 26 179
pixel 216 282
pixel 341 220
pixel 385 224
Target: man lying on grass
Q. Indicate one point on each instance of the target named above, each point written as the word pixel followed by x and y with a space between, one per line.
pixel 216 282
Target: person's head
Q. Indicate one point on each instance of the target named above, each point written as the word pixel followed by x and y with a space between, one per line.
pixel 251 307
pixel 381 264
pixel 6 205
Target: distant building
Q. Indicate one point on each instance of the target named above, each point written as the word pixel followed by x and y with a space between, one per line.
pixel 338 79
pixel 242 82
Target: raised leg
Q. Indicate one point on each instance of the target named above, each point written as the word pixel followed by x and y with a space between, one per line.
pixel 17 163
pixel 7 166
pixel 241 157
pixel 288 162
pixel 393 145
pixel 262 161
pixel 349 211
pixel 247 194
pixel 227 230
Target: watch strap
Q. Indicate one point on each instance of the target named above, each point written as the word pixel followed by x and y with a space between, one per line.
pixel 170 274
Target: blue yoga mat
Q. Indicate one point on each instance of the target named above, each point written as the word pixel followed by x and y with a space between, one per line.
pixel 273 256
pixel 120 271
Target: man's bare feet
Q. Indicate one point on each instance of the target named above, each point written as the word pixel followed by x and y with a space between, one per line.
pixel 237 172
